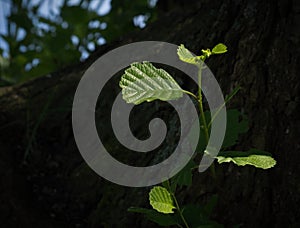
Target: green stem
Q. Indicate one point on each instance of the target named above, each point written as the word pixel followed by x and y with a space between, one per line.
pixel 190 93
pixel 177 206
pixel 203 119
pixel 179 211
pixel 228 98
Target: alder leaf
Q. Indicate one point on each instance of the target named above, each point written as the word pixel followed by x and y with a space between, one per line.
pixel 161 200
pixel 186 56
pixel 219 49
pixel 254 157
pixel 144 82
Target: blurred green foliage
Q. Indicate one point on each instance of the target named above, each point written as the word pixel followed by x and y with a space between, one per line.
pixel 39 44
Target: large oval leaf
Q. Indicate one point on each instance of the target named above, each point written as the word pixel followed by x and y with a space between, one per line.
pixel 144 82
pixel 161 200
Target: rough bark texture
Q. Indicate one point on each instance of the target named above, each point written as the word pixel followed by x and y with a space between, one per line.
pixel 45 183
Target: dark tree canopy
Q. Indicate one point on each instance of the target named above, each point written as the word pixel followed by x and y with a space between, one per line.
pixel 42 36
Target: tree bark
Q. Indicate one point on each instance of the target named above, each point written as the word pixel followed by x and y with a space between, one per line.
pixel 45 183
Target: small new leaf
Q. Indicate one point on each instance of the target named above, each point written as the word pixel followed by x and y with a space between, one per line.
pixel 206 53
pixel 186 56
pixel 144 82
pixel 219 49
pixel 161 200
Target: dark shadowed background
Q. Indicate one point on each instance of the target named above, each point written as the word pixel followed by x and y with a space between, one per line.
pixel 45 48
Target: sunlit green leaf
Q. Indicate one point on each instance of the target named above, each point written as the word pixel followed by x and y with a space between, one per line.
pixel 259 159
pixel 161 200
pixel 219 49
pixel 186 56
pixel 144 82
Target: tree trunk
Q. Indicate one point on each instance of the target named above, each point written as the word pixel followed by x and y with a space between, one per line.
pixel 45 183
